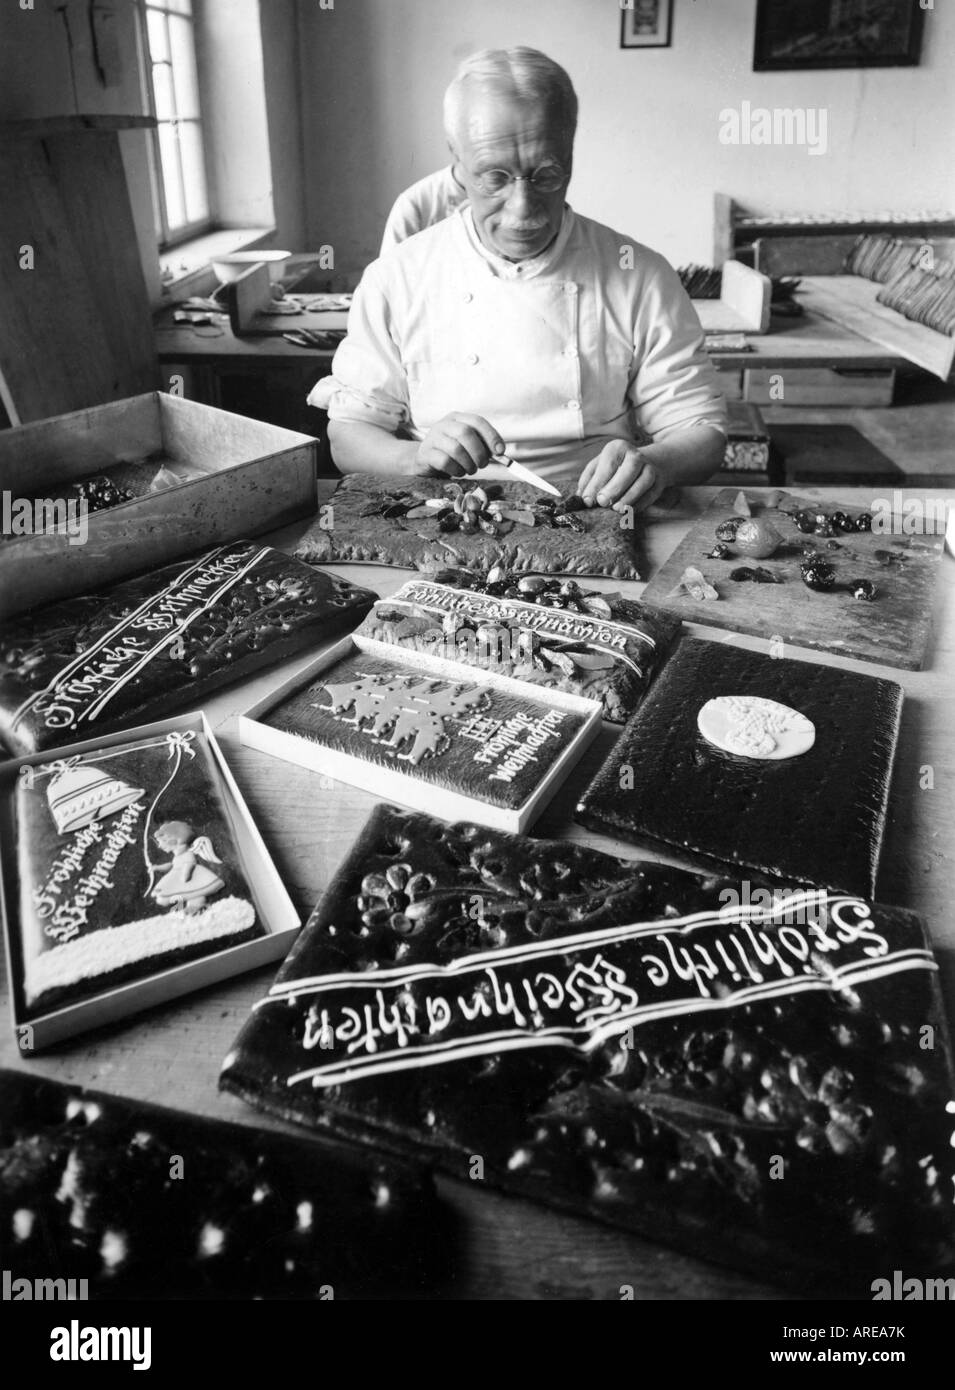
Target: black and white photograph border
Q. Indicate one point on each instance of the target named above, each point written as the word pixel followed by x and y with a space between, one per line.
pixel 530 290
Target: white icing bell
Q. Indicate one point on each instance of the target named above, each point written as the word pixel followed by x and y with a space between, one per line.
pixel 78 795
pixel 752 727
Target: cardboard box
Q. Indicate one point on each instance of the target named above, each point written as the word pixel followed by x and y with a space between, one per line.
pixel 274 908
pixel 244 477
pixel 393 784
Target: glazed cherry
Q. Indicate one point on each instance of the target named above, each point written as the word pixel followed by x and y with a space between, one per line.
pixel 817 574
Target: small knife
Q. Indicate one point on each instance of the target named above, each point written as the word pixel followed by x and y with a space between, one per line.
pixel 526 475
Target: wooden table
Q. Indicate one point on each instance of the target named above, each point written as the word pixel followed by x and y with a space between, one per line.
pixel 808 341
pixel 512 1249
pixel 271 377
pixel 181 342
pixel 811 340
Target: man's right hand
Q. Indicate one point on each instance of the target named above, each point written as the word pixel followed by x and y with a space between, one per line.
pixel 458 443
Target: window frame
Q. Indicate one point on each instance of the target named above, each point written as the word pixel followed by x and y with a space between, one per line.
pixel 169 238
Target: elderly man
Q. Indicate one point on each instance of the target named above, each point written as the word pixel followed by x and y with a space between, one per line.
pixel 517 328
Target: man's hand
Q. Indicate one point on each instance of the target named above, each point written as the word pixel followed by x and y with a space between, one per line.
pixel 621 476
pixel 458 443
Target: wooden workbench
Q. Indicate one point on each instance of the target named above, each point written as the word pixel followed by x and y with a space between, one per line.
pixel 512 1249
pixel 271 377
pixel 809 341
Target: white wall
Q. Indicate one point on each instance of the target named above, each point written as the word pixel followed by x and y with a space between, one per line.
pixel 282 96
pixel 233 106
pixel 371 74
pixel 648 158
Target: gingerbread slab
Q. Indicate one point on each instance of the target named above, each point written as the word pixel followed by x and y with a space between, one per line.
pixel 762 795
pixel 163 641
pixel 426 732
pixel 413 523
pixel 89 1191
pixel 554 633
pixel 132 874
pixel 629 1042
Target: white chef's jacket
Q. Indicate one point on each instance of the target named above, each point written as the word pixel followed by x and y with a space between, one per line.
pixel 430 200
pixel 558 353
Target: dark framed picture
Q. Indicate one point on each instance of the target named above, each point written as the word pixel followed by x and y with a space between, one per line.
pixel 837 34
pixel 646 24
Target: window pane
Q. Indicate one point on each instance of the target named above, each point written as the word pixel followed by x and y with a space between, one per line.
pixel 156 30
pixel 184 66
pixel 180 6
pixel 162 90
pixel 169 158
pixel 193 171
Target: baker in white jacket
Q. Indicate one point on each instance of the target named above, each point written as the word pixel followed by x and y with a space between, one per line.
pixel 516 326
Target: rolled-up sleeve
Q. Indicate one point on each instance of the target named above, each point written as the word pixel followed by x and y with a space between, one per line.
pixel 675 385
pixel 367 385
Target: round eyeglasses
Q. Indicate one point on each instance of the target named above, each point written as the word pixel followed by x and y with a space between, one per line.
pixel 493 182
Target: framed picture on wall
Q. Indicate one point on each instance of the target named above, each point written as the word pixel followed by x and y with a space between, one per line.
pixel 646 23
pixel 837 34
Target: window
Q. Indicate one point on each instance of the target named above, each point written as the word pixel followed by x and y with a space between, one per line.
pixel 182 192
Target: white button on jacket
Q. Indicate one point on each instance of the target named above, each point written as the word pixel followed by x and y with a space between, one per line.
pixel 572 351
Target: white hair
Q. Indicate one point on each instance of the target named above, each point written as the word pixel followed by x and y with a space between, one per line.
pixel 524 73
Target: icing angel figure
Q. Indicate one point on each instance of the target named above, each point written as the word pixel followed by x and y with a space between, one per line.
pixel 190 880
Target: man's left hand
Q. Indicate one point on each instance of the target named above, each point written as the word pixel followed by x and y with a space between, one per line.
pixel 621 476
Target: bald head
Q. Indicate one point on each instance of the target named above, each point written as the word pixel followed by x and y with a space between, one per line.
pixel 522 76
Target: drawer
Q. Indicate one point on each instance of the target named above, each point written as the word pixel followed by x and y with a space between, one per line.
pixel 818 386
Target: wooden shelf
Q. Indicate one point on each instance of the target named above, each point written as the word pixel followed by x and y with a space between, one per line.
pixel 735 230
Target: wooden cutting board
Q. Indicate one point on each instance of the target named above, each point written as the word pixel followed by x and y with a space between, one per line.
pixel 892 630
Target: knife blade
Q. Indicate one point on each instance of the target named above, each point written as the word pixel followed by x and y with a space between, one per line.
pixel 527 476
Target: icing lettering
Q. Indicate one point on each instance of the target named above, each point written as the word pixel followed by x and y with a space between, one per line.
pixel 859 930
pixel 64 916
pixel 579 991
pixel 80 690
pixel 477 1005
pixel 517 743
pixel 437 599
